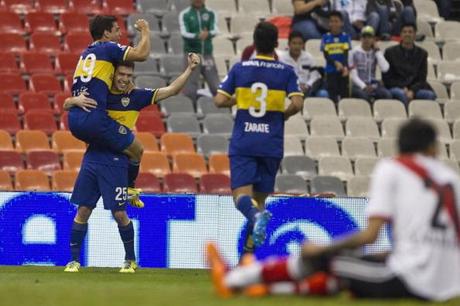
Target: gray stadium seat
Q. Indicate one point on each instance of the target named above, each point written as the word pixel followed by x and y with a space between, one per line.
pixel 423 27
pixel 149 67
pixel 244 23
pixel 205 106
pixel 384 109
pixel 358 186
pixel 447 30
pixel 451 51
pixel 219 124
pixel 282 7
pixel 172 65
pixel 356 147
pixel 299 165
pixel 364 166
pixel 228 6
pixel 425 109
pixel 147 81
pixel 208 144
pixel 152 5
pixel 434 55
pixel 328 184
pixel 290 183
pixel 455 150
pixel 326 126
pixel 441 91
pixel 448 72
pixel 296 126
pixel 390 127
pixel 257 7
pixel 452 164
pixel 427 10
pixel 184 124
pixel 354 108
pixel 171 21
pixel 157 46
pixel 315 107
pixel 443 130
pixel 455 91
pixel 387 147
pixel 362 127
pixel 317 147
pixel 292 146
pixel 176 44
pixel 177 105
pixel 335 166
pixel 452 111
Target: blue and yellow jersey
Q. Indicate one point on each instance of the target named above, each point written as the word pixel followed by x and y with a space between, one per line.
pixel 335 48
pixel 124 108
pixel 95 69
pixel 260 87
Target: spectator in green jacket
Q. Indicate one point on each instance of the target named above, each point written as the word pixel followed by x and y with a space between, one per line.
pixel 198 26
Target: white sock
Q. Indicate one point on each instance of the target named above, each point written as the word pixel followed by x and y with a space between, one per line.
pixel 241 277
pixel 296 267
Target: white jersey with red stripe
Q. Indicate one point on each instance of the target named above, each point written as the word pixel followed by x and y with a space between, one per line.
pixel 425 224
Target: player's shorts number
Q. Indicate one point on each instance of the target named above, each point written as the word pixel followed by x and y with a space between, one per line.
pixel 262 99
pixel 87 66
pixel 121 193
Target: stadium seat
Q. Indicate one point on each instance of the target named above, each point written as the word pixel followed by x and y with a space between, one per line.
pixel 443 129
pixel 45 43
pixel 384 109
pixel 447 30
pixel 390 127
pixel 52 6
pixel 222 6
pixel 36 63
pixel 282 7
pixel 158 46
pixel 451 51
pixel 64 122
pixel 72 160
pixel 224 47
pixel 77 42
pixel 66 63
pixel 150 82
pixel 177 105
pixel 46 83
pixel 191 163
pixel 151 19
pixel 441 91
pixel 320 184
pixel 150 122
pixel 6 142
pixel 292 146
pixel 448 72
pixel 11 161
pixel 427 10
pixel 41 22
pixel 148 67
pixel 314 107
pixel 63 180
pixel 452 164
pixel 7 103
pixel 218 124
pixel 11 23
pixel 219 163
pixel 215 183
pixel 148 182
pixel 27 140
pixel 425 109
pixel 244 23
pixel 335 166
pixel 73 22
pixel 452 111
pixel 296 126
pixel 34 101
pixel 365 165
pixel 12 42
pixel 455 91
pixel 387 147
pixel 326 126
pixel 40 120
pixel 9 121
pixel 182 123
pixel 8 63
pixel 87 7
pixel 316 147
pixel 299 165
pixel 5 181
pixel 172 65
pixel 12 84
pixel 64 141
pixel 362 127
pixel 46 161
pixel 148 141
pixel 455 150
pixel 176 143
pixel 353 108
pixel 290 183
pixel 205 106
pixel 152 6
pixel 20 7
pixel 211 144
pixel 155 163
pixel 314 47
pixel 358 186
pixel 434 54
pixel 32 180
pixel 180 183
pixel 118 7
pixel 442 151
pixel 171 21
pixel 176 44
pixel 355 147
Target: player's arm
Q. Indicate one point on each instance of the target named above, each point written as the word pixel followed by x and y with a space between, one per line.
pixel 223 100
pixel 175 87
pixel 141 51
pixel 295 106
pixel 81 101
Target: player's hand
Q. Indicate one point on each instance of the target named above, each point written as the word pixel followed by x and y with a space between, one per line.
pixel 345 72
pixel 84 102
pixel 142 25
pixel 204 34
pixel 338 66
pixel 193 60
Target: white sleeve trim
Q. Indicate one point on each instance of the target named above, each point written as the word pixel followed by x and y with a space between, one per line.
pixel 183 28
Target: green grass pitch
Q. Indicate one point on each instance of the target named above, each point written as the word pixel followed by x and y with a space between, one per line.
pixel 49 286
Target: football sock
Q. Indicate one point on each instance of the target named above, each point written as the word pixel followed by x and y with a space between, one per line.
pixel 248 246
pixel 246 206
pixel 133 172
pixel 285 269
pixel 76 239
pixel 127 236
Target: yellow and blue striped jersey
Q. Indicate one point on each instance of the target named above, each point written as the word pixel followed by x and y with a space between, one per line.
pixel 260 87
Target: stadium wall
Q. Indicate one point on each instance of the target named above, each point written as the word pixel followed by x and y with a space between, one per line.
pixel 170 231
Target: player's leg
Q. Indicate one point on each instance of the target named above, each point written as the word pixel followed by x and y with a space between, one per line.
pixel 126 230
pixel 134 152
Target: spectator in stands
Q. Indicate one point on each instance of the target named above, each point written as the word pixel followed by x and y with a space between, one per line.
pixel 304 66
pixel 310 18
pixel 444 7
pixel 363 62
pixel 391 15
pixel 336 45
pixel 355 17
pixel 406 77
pixel 250 52
pixel 198 26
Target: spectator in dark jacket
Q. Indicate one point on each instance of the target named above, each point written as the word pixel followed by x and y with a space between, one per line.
pixel 406 77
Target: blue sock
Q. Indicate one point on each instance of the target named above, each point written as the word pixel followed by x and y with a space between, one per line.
pixel 127 236
pixel 133 172
pixel 77 236
pixel 245 206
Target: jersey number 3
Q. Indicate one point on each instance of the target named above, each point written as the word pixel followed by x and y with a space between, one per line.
pixel 87 66
pixel 262 99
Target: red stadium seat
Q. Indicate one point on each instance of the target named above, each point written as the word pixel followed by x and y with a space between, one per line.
pixel 27 141
pixel 9 120
pixel 72 160
pixel 180 183
pixel 59 100
pixel 32 180
pixel 11 161
pixel 12 42
pixel 46 161
pixel 36 63
pixel 74 22
pixel 215 183
pixel 40 120
pixel 66 63
pixel 7 103
pixel 118 7
pixel 51 6
pixel 41 22
pixel 19 6
pixel 45 43
pixel 77 42
pixel 68 81
pixel 64 122
pixel 34 101
pixel 11 23
pixel 12 84
pixel 45 83
pixel 6 143
pixel 88 7
pixel 148 182
pixel 150 122
pixel 8 63
pixel 63 180
pixel 5 181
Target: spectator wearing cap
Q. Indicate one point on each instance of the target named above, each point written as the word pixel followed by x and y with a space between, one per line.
pixel 408 71
pixel 363 61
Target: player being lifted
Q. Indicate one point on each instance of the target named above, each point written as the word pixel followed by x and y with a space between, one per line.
pixel 103 172
pixel 260 86
pixel 414 191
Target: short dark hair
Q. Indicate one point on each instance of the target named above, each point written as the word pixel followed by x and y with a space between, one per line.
pixel 126 64
pixel 295 34
pixel 337 14
pixel 99 24
pixel 265 37
pixel 416 136
pixel 409 24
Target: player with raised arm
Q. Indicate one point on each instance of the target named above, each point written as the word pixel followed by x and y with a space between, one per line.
pixel 260 87
pixel 419 196
pixel 103 172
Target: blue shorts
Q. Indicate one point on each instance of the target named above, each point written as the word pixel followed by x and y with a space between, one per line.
pixel 96 180
pixel 260 172
pixel 96 127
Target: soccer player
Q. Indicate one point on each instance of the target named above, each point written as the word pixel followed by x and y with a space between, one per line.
pixel 260 86
pixel 103 172
pixel 420 197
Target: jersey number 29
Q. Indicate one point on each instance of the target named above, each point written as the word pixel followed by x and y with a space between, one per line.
pixel 262 99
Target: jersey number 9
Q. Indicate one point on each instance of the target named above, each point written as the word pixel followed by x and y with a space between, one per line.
pixel 87 66
pixel 262 99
